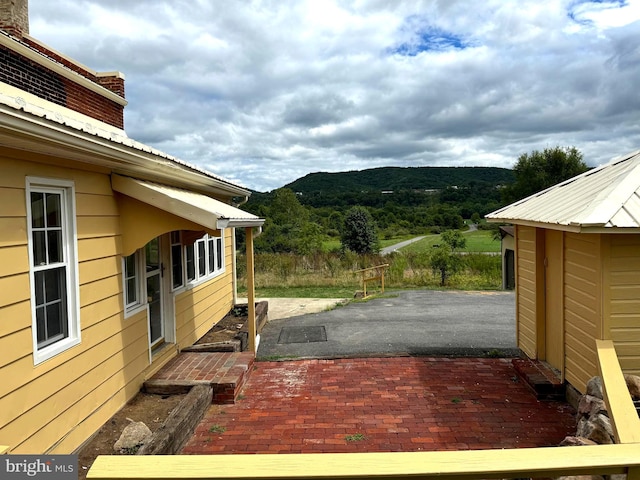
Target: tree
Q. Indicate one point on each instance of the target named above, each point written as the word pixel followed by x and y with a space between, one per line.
pixel 537 170
pixel 444 261
pixel 285 223
pixel 359 232
pixel 454 239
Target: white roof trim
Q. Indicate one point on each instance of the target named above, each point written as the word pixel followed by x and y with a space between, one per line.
pixel 97 142
pixel 198 208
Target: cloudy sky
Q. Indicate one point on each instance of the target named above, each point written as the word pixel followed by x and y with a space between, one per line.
pixel 264 92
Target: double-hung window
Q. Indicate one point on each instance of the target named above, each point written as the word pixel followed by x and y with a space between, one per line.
pixel 53 266
pixel 133 268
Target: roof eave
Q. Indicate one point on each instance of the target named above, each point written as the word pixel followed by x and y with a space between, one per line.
pixel 40 135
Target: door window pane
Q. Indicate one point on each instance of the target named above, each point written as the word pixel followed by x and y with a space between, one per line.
pixel 155 306
pixel 152 254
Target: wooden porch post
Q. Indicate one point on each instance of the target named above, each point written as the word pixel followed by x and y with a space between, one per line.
pixel 251 290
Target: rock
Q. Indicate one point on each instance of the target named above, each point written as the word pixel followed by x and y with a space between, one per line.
pixel 590 405
pixel 633 384
pixel 132 437
pixel 594 388
pixel 596 428
pixel 576 442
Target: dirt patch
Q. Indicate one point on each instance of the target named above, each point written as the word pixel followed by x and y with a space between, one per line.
pixel 144 407
pixel 227 328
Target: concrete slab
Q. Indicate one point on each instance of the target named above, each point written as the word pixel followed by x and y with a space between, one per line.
pixel 292 307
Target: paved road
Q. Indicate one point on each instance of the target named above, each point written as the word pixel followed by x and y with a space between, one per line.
pixel 396 246
pixel 417 322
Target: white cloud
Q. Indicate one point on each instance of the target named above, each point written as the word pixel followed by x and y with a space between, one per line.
pixel 264 92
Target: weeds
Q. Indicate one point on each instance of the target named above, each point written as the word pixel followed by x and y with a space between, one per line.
pixel 356 437
pixel 217 429
pixel 330 275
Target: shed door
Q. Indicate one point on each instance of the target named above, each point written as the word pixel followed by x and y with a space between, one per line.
pixel 554 305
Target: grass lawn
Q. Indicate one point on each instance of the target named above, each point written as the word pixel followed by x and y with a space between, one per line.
pixel 478 241
pixel 334 244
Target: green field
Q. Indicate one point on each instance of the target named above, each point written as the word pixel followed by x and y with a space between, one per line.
pixel 478 241
pixel 334 245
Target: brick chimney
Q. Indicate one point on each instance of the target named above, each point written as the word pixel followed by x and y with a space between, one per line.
pixel 14 17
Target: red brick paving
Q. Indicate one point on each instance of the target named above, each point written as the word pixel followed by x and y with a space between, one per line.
pixel 396 404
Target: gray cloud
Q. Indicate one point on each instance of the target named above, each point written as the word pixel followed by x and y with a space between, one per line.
pixel 265 92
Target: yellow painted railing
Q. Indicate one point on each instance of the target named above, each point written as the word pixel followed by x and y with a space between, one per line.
pixel 372 274
pixel 469 464
pixel 621 458
pixel 622 412
pixel 4 449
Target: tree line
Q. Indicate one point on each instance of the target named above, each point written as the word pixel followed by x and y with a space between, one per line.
pixel 302 221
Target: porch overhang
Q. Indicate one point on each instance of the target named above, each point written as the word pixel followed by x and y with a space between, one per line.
pixel 195 207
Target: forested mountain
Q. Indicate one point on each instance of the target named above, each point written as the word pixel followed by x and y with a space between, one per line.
pixel 398 178
pixel 414 200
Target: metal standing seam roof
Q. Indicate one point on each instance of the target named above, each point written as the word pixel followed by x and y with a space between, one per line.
pixel 605 197
pixel 83 123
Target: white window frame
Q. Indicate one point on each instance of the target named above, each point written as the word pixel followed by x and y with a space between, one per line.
pixel 69 249
pixel 219 264
pixel 175 238
pixel 140 304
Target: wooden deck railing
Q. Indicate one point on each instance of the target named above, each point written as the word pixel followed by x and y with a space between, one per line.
pixel 372 274
pixel 621 458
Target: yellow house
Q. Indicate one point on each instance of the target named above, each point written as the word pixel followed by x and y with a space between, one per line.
pixel 113 255
pixel 577 250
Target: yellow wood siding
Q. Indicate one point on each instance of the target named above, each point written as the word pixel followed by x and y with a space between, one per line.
pixel 582 306
pixel 199 308
pixel 526 289
pixel 56 405
pixel 624 294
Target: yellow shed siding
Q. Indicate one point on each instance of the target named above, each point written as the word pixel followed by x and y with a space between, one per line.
pixel 624 295
pixel 526 289
pixel 582 306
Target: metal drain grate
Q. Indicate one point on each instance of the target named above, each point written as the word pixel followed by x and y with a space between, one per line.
pixel 302 334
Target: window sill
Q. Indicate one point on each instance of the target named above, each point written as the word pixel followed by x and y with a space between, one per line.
pixel 51 351
pixel 134 310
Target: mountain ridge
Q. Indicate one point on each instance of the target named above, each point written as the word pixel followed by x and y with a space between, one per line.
pixel 398 179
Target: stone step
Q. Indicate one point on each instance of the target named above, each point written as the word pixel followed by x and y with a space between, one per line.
pixel 226 372
pixel 542 380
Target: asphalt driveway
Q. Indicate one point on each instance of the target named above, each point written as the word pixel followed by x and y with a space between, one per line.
pixel 416 322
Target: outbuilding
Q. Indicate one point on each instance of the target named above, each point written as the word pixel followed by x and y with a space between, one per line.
pixel 577 269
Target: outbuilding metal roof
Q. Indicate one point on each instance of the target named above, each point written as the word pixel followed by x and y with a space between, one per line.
pixel 606 197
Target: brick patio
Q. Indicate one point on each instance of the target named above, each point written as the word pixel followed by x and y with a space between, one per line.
pixel 382 404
